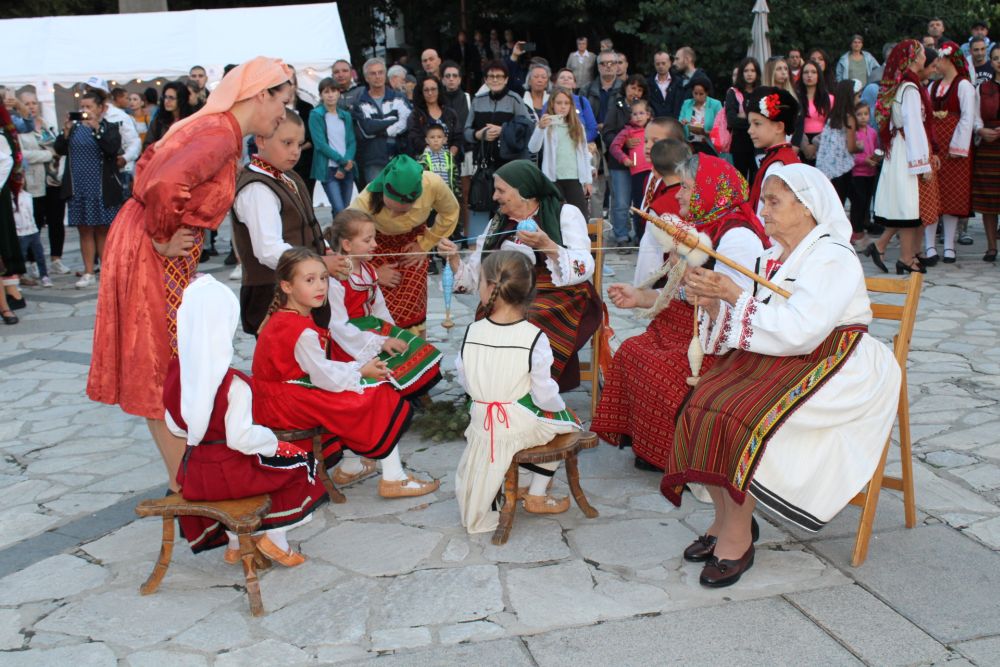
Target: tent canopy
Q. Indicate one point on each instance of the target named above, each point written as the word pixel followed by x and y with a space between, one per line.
pixel 65 50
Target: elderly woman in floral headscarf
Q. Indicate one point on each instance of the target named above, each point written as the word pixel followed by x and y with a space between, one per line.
pixel 566 306
pixel 903 112
pixel 184 185
pixel 796 416
pixel 647 382
pixel 954 101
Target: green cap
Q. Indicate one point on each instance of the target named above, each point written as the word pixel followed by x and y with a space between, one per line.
pixel 401 180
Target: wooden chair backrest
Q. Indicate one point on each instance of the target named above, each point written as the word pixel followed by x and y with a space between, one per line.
pixel 905 314
pixel 595 229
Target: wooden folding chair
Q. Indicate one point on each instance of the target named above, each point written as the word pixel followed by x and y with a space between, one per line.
pixel 591 370
pixel 906 315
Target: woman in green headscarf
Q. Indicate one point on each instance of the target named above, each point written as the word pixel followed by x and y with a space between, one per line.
pixel 401 200
pixel 566 306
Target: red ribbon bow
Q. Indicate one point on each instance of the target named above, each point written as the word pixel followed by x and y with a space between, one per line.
pixel 488 420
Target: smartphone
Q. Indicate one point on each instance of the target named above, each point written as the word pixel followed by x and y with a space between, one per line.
pixel 76 116
pixel 529 46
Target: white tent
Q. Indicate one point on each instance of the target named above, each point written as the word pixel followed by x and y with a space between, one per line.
pixel 66 50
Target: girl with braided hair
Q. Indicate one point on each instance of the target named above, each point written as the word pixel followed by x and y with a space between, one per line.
pixel 297 386
pixel 505 365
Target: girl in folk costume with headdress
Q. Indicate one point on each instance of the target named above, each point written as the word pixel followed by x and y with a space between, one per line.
pixel 11 183
pixel 903 112
pixel 772 121
pixel 209 404
pixel 954 120
pixel 298 386
pixel 362 328
pixel 184 185
pixel 647 383
pixel 505 366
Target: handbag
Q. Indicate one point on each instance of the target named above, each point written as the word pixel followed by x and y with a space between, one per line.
pixel 481 187
pixel 721 136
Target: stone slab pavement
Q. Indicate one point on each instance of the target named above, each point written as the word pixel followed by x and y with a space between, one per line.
pixel 401 583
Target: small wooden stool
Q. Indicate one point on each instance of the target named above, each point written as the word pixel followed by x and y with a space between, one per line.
pixel 563 447
pixel 317 435
pixel 242 517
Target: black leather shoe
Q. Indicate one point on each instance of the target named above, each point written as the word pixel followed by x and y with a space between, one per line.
pixel 643 464
pixel 949 259
pixel 9 317
pixel 701 549
pixel 930 261
pixel 15 303
pixel 754 530
pixel 876 257
pixel 721 573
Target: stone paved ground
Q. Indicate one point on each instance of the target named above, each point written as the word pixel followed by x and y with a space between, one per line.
pixel 400 583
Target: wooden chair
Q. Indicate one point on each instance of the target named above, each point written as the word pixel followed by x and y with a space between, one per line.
pixel 868 499
pixel 242 517
pixel 591 370
pixel 317 435
pixel 562 448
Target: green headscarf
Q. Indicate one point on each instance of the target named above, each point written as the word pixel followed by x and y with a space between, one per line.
pixel 531 183
pixel 401 180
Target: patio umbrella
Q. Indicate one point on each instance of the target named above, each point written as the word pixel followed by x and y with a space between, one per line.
pixel 760 47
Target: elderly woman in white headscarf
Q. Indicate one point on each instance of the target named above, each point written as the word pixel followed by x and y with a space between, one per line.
pixel 209 404
pixel 796 416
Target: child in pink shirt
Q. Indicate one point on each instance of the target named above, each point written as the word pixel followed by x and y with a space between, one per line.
pixel 636 161
pixel 864 173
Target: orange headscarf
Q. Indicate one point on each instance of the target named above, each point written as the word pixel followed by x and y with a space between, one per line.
pixel 242 83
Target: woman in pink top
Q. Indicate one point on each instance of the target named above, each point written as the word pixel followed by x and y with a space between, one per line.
pixel 636 161
pixel 816 102
pixel 863 174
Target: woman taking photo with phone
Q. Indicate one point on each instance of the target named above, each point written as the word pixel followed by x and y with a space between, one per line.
pixel 565 157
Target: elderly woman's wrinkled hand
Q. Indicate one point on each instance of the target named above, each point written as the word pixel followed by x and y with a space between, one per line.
pixel 711 285
pixel 538 241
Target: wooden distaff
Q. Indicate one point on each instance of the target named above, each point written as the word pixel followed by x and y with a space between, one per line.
pixel 692 242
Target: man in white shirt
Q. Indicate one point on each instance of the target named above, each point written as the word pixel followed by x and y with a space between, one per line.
pixel 660 85
pixel 582 63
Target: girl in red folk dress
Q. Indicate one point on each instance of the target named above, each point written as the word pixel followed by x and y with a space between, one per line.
pixel 209 405
pixel 362 328
pixel 954 101
pixel 298 386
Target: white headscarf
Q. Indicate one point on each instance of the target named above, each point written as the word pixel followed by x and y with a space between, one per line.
pixel 206 322
pixel 811 187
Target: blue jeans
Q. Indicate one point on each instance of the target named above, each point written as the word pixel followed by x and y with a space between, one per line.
pixel 338 191
pixel 33 242
pixel 621 197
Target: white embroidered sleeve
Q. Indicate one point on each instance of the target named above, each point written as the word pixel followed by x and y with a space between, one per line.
pixel 324 373
pixel 918 155
pixel 574 263
pixel 241 433
pixel 968 101
pixel 544 390
pixel 362 345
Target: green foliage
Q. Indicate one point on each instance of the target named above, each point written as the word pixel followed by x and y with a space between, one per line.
pixel 442 421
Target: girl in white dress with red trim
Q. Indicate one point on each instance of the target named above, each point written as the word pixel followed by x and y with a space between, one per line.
pixel 505 366
pixel 209 404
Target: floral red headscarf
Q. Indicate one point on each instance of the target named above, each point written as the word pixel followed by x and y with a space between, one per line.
pixel 897 71
pixel 16 179
pixel 720 195
pixel 953 53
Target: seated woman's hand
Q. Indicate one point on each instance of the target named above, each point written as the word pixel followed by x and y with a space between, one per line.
pixel 375 370
pixel 538 241
pixel 394 346
pixel 710 285
pixel 624 295
pixel 336 265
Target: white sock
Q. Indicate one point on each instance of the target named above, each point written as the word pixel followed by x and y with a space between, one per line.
pixel 539 484
pixel 930 239
pixel 392 467
pixel 351 463
pixel 950 226
pixel 277 537
pixel 234 542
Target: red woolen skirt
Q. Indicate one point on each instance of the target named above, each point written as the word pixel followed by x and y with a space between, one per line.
pixel 216 472
pixel 407 302
pixel 646 386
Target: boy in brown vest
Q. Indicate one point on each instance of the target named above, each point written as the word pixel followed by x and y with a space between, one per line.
pixel 273 212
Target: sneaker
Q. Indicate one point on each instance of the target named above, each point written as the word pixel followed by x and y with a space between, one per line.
pixel 608 271
pixel 237 273
pixel 87 280
pixel 58 267
pixel 623 246
pixel 46 282
pixel 33 270
pixel 964 239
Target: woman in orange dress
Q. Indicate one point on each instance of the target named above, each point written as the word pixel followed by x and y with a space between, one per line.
pixel 184 185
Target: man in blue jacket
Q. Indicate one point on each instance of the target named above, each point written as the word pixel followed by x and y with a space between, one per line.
pixel 380 115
